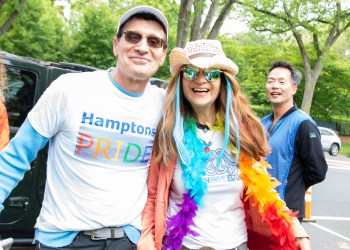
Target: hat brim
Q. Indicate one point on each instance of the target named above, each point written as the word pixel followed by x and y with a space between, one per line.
pixel 178 58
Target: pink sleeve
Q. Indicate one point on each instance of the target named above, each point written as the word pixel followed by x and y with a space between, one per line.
pixel 4 127
pixel 146 242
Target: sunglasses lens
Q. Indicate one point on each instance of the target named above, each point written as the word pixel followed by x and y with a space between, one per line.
pixel 132 37
pixel 190 73
pixel 152 41
pixel 212 74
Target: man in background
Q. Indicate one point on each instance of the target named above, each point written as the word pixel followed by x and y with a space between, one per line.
pixel 297 157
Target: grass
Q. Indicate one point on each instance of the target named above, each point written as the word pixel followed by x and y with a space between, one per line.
pixel 345 149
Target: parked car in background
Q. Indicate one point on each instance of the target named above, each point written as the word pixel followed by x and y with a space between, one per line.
pixel 330 141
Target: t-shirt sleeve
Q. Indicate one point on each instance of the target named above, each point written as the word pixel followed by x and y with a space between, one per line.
pixel 48 114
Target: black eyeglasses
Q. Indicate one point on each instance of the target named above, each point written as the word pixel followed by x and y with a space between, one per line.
pixel 191 73
pixel 152 41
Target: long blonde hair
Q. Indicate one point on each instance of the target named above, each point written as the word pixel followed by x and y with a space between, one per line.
pixel 252 137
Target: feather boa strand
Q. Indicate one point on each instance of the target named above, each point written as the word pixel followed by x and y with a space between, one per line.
pixel 178 226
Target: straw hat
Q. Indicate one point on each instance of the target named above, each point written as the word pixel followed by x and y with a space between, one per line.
pixel 202 54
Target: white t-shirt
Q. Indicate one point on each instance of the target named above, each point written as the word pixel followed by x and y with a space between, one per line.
pixel 99 150
pixel 220 223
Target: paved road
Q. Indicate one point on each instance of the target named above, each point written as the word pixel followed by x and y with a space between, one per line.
pixel 330 213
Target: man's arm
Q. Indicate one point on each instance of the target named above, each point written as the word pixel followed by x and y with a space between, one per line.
pixel 309 147
pixel 16 157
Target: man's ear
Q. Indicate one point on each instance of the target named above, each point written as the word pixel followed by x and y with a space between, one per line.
pixel 115 46
pixel 294 88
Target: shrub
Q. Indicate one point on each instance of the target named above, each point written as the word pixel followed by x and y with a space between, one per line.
pixel 344 128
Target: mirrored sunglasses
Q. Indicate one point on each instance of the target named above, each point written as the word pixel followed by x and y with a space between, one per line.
pixel 152 41
pixel 191 73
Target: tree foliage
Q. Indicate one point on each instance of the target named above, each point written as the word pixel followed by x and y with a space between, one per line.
pixel 39 32
pixel 9 12
pixel 93 29
pixel 254 53
pixel 319 23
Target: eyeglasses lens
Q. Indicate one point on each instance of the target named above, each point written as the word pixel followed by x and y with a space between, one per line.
pixel 152 41
pixel 192 73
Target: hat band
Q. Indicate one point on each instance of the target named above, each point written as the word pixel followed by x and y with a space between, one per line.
pixel 202 55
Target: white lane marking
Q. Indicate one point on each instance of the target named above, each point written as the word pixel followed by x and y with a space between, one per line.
pixel 330 218
pixel 338 163
pixel 330 231
pixel 339 168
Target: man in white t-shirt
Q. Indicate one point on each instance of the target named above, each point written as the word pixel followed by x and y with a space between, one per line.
pixel 100 127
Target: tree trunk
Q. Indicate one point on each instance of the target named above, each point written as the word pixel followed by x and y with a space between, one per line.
pixel 310 84
pixel 7 24
pixel 335 27
pixel 209 18
pixel 183 22
pixel 197 21
pixel 2 3
pixel 220 20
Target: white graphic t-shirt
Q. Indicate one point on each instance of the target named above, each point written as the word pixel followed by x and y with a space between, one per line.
pixel 220 222
pixel 99 151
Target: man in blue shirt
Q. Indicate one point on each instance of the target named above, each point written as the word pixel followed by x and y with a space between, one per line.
pixel 297 157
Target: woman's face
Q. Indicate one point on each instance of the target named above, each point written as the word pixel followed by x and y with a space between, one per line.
pixel 201 86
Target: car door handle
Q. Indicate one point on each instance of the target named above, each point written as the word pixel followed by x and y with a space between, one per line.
pixel 19 202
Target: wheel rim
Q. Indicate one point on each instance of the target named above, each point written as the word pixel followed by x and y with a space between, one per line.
pixel 334 149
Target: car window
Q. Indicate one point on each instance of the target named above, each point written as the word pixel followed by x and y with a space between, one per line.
pixel 19 96
pixel 325 132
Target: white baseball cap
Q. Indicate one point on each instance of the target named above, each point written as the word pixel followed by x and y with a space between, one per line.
pixel 144 9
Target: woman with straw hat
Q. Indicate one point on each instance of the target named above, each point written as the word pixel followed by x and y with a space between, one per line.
pixel 208 186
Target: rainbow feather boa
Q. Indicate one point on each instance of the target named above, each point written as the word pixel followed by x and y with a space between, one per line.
pixel 258 183
pixel 178 226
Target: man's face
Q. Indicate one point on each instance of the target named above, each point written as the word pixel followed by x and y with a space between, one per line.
pixel 139 61
pixel 279 87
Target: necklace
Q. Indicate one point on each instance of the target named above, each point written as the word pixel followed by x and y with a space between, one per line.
pixel 205 128
pixel 204 137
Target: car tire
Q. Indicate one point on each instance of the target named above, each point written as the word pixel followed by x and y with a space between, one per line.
pixel 334 150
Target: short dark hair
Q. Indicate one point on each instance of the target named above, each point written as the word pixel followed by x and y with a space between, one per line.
pixel 144 16
pixel 295 74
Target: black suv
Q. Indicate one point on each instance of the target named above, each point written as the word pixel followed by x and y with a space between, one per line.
pixel 27 79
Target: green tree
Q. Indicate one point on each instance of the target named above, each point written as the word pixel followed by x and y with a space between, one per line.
pixel 332 93
pixel 254 53
pixel 39 32
pixel 9 12
pixel 191 14
pixel 319 22
pixel 93 28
